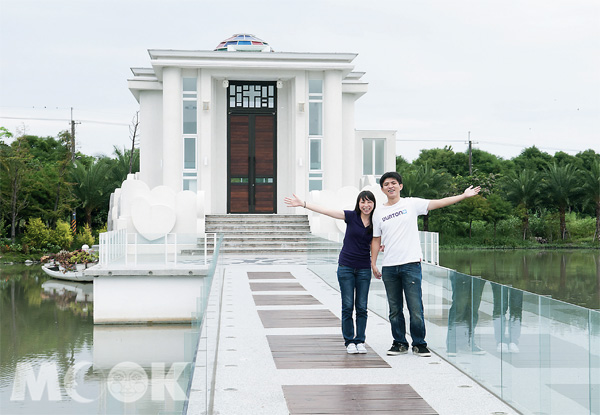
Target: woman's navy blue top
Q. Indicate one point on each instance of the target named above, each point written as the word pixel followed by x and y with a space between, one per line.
pixel 356 251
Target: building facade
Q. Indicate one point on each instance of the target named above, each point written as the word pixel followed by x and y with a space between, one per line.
pixel 246 126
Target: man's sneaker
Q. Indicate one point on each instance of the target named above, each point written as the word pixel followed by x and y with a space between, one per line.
pixel 397 349
pixel 477 350
pixel 361 348
pixel 513 348
pixel 502 348
pixel 351 349
pixel 421 350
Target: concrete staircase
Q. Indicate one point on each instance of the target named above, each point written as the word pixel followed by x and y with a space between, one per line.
pixel 263 233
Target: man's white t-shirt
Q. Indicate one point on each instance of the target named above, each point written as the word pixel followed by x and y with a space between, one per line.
pixel 397 226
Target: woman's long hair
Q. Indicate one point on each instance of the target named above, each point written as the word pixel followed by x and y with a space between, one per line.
pixel 366 195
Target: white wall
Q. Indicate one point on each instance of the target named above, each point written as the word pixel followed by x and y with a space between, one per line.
pixel 145 298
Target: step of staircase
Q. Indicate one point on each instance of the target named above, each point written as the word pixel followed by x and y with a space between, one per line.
pixel 261 234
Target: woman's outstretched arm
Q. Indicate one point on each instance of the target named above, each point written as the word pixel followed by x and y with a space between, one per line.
pixel 295 201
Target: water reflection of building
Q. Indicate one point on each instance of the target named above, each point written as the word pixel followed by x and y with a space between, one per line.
pixel 73 295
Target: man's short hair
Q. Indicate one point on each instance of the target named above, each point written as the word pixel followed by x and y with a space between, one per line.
pixel 390 174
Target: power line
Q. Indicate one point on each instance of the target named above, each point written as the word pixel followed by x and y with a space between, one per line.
pixel 61 120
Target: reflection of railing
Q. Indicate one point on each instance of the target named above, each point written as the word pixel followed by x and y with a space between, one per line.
pixel 430 247
pixel 540 355
pixel 113 246
pixel 119 247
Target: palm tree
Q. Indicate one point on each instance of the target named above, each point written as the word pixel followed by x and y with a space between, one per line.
pixel 561 186
pixel 427 183
pixel 591 188
pixel 522 189
pixel 121 164
pixel 91 186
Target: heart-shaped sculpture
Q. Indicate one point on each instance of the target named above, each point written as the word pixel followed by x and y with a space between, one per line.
pixel 152 221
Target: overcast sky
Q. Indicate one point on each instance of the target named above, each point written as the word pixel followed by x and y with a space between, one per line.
pixel 515 73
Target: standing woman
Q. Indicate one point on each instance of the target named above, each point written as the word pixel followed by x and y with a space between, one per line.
pixel 354 264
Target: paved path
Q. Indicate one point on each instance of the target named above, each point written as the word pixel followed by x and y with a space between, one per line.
pixel 280 351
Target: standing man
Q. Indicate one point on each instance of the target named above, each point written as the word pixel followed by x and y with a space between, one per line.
pixel 395 227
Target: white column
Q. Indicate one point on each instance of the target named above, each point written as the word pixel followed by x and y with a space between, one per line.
pixel 206 163
pixel 332 131
pixel 172 148
pixel 351 170
pixel 151 149
pixel 300 161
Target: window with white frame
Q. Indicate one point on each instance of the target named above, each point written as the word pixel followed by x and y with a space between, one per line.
pixel 315 132
pixel 373 156
pixel 190 131
pixel 189 153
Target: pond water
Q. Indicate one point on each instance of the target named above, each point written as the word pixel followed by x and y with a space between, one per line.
pixel 572 276
pixel 53 360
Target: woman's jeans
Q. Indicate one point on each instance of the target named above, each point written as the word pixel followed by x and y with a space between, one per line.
pixel 405 279
pixel 354 287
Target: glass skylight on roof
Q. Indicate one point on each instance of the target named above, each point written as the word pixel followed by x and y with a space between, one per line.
pixel 244 42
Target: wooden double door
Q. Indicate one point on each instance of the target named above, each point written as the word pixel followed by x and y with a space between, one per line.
pixel 252 173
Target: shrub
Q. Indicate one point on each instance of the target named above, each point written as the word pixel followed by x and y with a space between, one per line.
pixel 83 257
pixel 37 234
pixel 580 227
pixel 84 237
pixel 62 235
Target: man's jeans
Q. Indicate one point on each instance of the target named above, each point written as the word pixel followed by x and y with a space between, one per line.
pixel 354 287
pixel 405 278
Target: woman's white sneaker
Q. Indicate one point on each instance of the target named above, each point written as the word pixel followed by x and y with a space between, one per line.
pixel 351 349
pixel 361 348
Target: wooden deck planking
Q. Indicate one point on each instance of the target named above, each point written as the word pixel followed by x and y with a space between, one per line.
pixel 379 399
pixel 319 352
pixel 270 275
pixel 298 318
pixel 325 352
pixel 285 300
pixel 276 286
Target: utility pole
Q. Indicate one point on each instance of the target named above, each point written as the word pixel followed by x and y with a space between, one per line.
pixel 72 136
pixel 73 122
pixel 470 155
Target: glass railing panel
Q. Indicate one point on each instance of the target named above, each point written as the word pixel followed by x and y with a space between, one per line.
pixel 204 338
pixel 565 357
pixel 540 355
pixel 594 317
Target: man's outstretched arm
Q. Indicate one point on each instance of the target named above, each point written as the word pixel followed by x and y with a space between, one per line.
pixel 447 201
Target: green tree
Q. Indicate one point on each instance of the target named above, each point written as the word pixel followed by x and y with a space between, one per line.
pixel 522 188
pixel 119 166
pixel 473 208
pixel 486 163
pixel 587 159
pixel 499 209
pixel 401 164
pixel 427 183
pixel 17 168
pixel 591 191
pixel 446 158
pixel 532 159
pixel 48 185
pixel 91 186
pixel 561 186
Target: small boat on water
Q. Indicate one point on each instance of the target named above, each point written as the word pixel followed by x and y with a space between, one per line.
pixel 56 272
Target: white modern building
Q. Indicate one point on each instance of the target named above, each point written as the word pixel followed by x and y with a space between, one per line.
pixel 245 126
